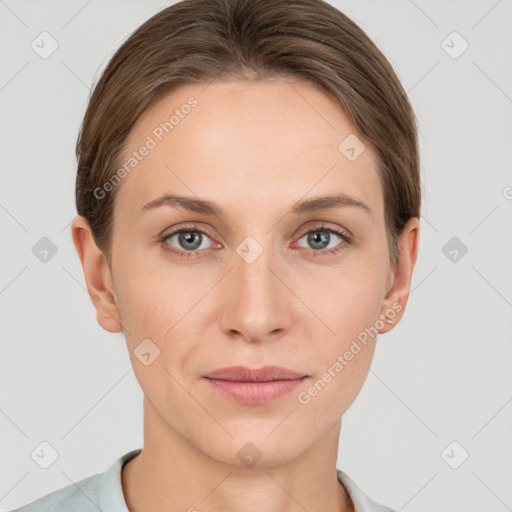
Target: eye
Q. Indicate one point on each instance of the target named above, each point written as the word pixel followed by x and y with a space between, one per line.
pixel 321 240
pixel 188 241
pixel 185 241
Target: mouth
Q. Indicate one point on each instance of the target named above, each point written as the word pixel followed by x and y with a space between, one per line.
pixel 245 374
pixel 254 387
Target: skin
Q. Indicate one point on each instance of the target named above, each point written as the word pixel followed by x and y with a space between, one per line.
pixel 255 149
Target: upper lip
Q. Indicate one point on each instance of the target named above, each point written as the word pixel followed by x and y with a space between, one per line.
pixel 263 374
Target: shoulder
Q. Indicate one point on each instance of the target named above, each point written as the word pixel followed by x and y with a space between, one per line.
pixel 82 496
pixel 99 492
pixel 362 502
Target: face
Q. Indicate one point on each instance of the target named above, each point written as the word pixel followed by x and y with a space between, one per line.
pixel 263 274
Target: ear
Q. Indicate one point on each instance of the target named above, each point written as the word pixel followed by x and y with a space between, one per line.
pixel 97 275
pixel 393 306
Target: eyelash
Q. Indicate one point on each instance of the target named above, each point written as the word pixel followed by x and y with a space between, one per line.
pixel 192 228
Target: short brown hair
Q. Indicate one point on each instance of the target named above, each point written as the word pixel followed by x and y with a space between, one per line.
pixel 198 41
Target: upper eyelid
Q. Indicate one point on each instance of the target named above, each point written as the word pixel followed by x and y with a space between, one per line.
pixel 327 227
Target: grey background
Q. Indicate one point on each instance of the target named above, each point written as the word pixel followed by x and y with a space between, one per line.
pixel 442 375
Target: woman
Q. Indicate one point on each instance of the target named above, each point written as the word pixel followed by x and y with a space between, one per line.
pixel 248 197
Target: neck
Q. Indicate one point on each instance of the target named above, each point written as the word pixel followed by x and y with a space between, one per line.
pixel 171 473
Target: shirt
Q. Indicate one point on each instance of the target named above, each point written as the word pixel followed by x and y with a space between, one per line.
pixel 104 492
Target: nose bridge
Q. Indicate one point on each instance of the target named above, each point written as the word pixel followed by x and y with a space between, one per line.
pixel 256 306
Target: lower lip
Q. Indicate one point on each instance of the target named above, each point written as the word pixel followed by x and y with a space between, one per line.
pixel 255 393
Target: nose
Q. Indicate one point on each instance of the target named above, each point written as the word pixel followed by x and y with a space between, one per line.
pixel 255 303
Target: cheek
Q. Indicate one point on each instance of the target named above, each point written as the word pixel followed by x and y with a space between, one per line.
pixel 147 291
pixel 350 307
pixel 348 301
pixel 342 362
pixel 162 306
pixel 154 313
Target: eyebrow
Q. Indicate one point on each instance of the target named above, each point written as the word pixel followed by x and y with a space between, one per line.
pixel 209 208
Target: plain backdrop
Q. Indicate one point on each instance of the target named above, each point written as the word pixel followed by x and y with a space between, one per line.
pixel 440 387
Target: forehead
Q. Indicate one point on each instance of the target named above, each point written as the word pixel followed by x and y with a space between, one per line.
pixel 246 144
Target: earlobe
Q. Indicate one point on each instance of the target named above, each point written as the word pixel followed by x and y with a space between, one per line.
pixel 97 275
pixel 393 306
